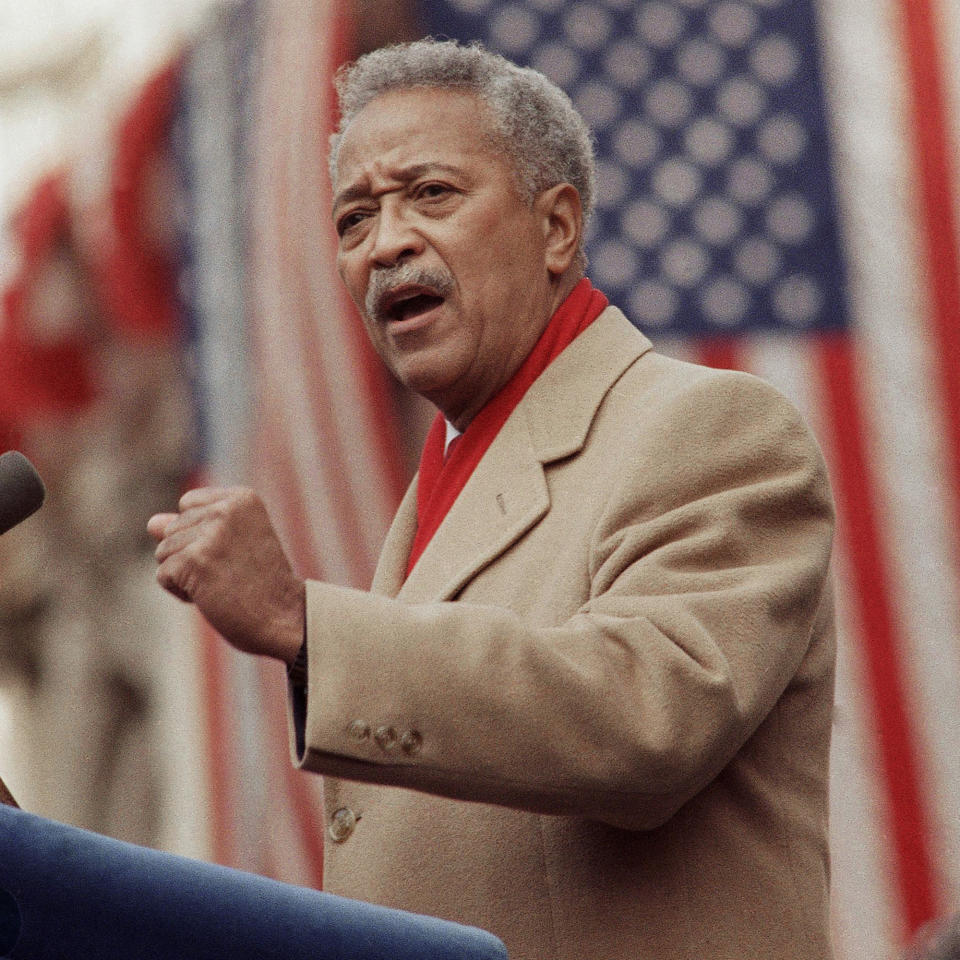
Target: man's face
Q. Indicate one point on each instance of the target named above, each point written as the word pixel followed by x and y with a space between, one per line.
pixel 438 250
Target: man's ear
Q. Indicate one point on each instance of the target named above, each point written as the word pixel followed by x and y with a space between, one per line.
pixel 562 220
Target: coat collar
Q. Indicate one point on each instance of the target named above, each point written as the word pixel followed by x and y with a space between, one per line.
pixel 507 493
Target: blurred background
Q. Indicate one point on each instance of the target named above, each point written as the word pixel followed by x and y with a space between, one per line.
pixel 779 192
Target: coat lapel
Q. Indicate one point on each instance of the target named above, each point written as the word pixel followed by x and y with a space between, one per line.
pixel 504 497
pixel 392 564
pixel 508 493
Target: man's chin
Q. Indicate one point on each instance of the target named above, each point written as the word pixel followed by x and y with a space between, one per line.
pixel 433 378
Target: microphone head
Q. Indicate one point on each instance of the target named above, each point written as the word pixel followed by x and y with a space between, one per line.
pixel 21 489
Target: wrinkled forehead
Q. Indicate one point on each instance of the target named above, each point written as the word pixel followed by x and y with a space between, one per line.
pixel 417 116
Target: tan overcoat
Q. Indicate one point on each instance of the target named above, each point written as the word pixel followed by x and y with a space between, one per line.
pixel 613 745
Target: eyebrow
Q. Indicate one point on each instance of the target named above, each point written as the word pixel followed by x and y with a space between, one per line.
pixel 358 191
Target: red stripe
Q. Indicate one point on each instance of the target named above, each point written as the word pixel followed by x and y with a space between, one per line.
pixel 933 155
pixel 722 353
pixel 882 647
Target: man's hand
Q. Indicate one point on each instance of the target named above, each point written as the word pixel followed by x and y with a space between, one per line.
pixel 222 554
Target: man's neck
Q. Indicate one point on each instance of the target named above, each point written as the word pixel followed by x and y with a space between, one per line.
pixel 563 286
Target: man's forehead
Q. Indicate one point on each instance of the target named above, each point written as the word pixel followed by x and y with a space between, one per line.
pixel 413 128
pixel 403 173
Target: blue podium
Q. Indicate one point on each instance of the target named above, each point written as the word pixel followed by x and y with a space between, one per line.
pixel 67 894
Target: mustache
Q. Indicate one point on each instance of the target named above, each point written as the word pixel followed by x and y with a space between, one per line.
pixel 386 279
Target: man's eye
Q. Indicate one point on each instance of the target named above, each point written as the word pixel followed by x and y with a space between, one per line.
pixel 350 220
pixel 433 191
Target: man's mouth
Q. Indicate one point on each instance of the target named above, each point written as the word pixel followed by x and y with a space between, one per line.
pixel 408 303
pixel 405 292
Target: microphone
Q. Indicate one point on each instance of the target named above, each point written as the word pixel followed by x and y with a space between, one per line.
pixel 21 489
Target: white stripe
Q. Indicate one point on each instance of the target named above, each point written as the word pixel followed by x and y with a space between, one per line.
pixel 218 254
pixel 865 916
pixel 180 709
pixel 784 362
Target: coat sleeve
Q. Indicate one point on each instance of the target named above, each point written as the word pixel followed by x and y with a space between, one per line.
pixel 706 569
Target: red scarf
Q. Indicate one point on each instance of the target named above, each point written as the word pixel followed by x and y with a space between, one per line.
pixel 440 482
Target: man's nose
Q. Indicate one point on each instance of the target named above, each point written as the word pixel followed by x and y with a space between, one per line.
pixel 394 239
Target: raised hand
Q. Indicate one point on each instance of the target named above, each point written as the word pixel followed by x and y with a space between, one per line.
pixel 222 553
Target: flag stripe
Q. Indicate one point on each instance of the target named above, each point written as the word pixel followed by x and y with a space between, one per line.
pixel 217 709
pixel 280 488
pixel 723 353
pixel 302 790
pixel 309 819
pixel 872 600
pixel 341 470
pixel 778 361
pixel 864 910
pixel 898 372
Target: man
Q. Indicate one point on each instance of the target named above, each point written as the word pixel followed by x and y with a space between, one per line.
pixel 587 702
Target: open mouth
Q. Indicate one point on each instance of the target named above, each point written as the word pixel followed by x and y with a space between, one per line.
pixel 408 306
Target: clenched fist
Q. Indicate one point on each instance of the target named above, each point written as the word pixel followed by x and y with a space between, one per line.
pixel 221 553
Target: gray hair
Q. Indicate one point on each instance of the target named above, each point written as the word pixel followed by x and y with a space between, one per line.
pixel 533 120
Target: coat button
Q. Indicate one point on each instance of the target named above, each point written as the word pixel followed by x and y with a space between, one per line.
pixel 358 731
pixel 411 742
pixel 342 825
pixel 386 737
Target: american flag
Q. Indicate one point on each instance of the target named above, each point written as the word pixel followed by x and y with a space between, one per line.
pixel 779 193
